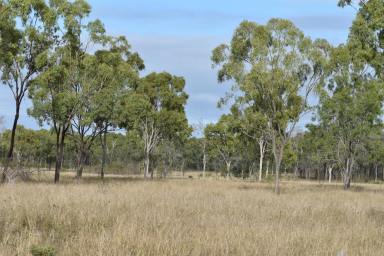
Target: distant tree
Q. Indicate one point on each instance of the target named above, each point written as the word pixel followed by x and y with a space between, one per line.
pixel 317 148
pixel 156 110
pixel 276 68
pixel 374 146
pixel 255 127
pixel 194 153
pixel 223 138
pixel 32 148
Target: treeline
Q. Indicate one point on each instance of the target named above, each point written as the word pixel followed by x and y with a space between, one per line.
pixel 278 75
pixel 83 83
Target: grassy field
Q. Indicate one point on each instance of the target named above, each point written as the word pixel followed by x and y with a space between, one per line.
pixel 191 217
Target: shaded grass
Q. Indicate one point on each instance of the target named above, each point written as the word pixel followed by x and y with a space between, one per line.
pixel 191 217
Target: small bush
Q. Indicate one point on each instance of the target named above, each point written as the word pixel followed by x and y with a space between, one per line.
pixel 37 250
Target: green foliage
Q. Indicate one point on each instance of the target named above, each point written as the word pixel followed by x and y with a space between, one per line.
pixel 275 68
pixel 223 139
pixel 37 250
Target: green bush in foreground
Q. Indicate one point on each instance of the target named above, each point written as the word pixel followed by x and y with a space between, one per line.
pixel 37 250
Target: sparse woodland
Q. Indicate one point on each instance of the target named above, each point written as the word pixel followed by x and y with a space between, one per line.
pixel 113 141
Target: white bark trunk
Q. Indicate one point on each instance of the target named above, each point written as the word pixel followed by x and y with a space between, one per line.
pixel 330 174
pixel 146 167
pixel 228 169
pixel 204 164
pixel 262 150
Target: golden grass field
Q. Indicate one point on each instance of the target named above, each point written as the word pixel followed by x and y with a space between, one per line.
pixel 191 217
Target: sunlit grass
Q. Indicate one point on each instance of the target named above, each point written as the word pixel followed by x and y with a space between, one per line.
pixel 191 217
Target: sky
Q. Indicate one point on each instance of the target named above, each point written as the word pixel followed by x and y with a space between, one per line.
pixel 179 36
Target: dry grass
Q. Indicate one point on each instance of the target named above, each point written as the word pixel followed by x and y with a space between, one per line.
pixel 191 217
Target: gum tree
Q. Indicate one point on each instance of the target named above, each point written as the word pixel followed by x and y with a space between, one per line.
pixel 275 68
pixel 224 138
pixel 27 31
pixel 104 77
pixel 155 108
pixel 254 127
pixel 350 105
pixel 54 92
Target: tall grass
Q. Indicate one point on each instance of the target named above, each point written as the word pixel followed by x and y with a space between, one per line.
pixel 191 217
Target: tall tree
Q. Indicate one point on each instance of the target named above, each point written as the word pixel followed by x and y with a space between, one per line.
pixel 276 68
pixel 223 137
pixel 27 31
pixel 121 67
pixel 54 93
pixel 104 77
pixel 351 105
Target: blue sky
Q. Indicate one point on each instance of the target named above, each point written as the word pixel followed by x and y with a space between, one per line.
pixel 178 37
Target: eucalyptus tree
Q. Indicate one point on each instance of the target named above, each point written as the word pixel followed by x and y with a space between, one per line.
pixel 254 126
pixel 104 77
pixel 121 67
pixel 374 146
pixel 317 148
pixel 275 68
pixel 224 138
pixel 27 31
pixel 343 3
pixel 54 91
pixel 367 33
pixel 155 108
pixel 350 105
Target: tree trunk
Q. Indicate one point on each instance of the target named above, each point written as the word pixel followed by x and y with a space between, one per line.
pixel 104 157
pixel 347 174
pixel 146 166
pixel 383 173
pixel 267 171
pixel 165 172
pixel 9 158
pixel 204 162
pixel 228 164
pixel 296 171
pixel 182 167
pixel 277 176
pixel 330 174
pixel 60 136
pixel 250 168
pixel 375 172
pixel 325 172
pixel 152 170
pixel 80 163
pixel 278 151
pixel 261 146
pixel 347 182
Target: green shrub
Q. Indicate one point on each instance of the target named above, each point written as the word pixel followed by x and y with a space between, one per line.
pixel 37 250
